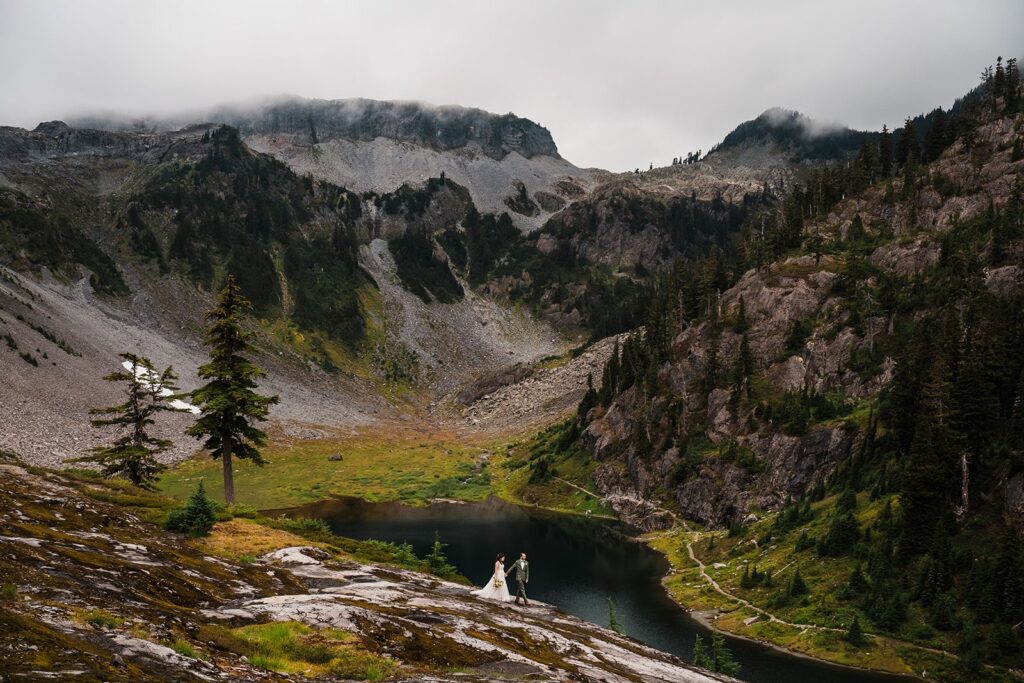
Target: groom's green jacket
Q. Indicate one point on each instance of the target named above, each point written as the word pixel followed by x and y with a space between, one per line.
pixel 522 571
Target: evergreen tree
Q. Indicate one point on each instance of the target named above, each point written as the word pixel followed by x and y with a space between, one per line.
pixel 885 152
pixel 701 658
pixel 937 137
pixel 931 463
pixel 999 78
pixel 613 618
pixel 797 586
pixel 1012 89
pixel 587 403
pixel 147 393
pixel 741 325
pixel 721 657
pixel 437 560
pixel 742 369
pixel 907 147
pixel 857 584
pixel 1007 587
pixel 712 361
pixel 853 634
pixel 197 517
pixel 970 649
pixel 841 536
pixel 228 402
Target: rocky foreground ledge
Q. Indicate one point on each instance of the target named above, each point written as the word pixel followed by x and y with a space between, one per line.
pixel 89 591
pixel 407 611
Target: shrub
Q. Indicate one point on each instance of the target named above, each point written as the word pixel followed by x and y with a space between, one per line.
pixel 797 586
pixel 184 648
pixel 196 518
pixel 841 536
pixel 99 618
pixel 302 525
pixel 244 511
pixel 853 634
pixel 437 561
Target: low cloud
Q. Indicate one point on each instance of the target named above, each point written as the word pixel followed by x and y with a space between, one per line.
pixel 618 85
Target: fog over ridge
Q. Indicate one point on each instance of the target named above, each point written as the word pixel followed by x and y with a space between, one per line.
pixel 618 85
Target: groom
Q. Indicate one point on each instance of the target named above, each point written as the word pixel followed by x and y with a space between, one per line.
pixel 522 569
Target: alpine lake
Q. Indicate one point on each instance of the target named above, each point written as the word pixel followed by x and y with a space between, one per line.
pixel 577 564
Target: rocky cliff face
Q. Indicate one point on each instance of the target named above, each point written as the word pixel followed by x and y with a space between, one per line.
pixel 55 139
pixel 441 128
pixel 815 335
pixel 375 146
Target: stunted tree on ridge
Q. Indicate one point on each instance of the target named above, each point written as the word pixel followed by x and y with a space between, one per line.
pixel 229 405
pixel 147 393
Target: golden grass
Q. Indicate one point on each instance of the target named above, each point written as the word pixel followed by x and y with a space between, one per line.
pixel 242 538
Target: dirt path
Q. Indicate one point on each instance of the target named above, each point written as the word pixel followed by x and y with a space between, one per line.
pixel 797 625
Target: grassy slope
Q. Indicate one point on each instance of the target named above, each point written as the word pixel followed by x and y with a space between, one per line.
pixel 823 609
pixel 413 468
pixel 161 602
pixel 409 467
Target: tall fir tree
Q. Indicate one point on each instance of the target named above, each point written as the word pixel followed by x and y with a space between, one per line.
pixel 931 463
pixel 723 661
pixel 613 618
pixel 701 658
pixel 229 404
pixel 885 152
pixel 147 394
pixel 907 147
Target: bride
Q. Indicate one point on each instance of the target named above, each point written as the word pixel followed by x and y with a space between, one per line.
pixel 496 588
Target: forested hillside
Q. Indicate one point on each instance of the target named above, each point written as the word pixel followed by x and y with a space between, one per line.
pixel 843 390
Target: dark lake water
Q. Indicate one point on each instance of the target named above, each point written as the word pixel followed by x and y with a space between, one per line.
pixel 576 564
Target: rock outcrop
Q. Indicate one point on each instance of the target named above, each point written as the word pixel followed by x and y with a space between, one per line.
pixel 425 621
pixel 810 338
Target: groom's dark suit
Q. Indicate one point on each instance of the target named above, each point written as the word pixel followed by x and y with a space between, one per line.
pixel 522 570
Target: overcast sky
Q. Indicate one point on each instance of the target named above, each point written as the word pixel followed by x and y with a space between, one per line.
pixel 619 84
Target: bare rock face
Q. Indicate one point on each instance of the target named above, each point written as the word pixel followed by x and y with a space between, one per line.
pixel 795 464
pixel 55 139
pixel 904 260
pixel 799 341
pixel 720 417
pixel 551 203
pixel 788 375
pixel 718 493
pixel 519 200
pixel 1004 282
pixel 722 492
pixel 1013 501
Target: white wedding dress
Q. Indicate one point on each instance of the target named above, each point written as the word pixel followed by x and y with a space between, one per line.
pixel 497 587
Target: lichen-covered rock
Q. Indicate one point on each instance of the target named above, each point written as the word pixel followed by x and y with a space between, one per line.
pixel 421 620
pixel 100 595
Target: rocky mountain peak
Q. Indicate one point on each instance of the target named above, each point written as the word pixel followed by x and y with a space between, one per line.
pixel 440 128
pixel 803 138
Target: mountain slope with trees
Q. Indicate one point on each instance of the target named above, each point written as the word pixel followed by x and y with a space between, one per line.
pixel 847 387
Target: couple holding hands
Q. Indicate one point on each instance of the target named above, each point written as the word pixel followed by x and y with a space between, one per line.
pixel 497 588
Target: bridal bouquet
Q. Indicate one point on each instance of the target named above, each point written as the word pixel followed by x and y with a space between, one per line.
pixel 498 583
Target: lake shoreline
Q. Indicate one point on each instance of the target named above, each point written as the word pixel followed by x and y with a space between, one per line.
pixel 707 619
pixel 703 619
